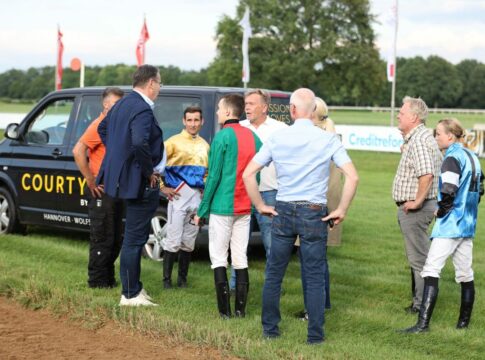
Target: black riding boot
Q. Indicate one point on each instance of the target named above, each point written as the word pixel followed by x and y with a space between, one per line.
pixel 168 260
pixel 242 288
pixel 411 309
pixel 222 292
pixel 184 261
pixel 430 294
pixel 467 300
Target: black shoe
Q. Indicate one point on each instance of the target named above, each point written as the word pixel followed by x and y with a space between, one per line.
pixel 302 315
pixel 222 292
pixel 270 337
pixel 411 309
pixel 168 260
pixel 109 285
pixel 184 262
pixel 430 294
pixel 467 300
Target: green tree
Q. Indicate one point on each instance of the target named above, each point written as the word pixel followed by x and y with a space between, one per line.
pixel 13 84
pixel 444 87
pixel 472 76
pixel 410 78
pixel 476 88
pixel 325 45
pixel 119 74
pixel 434 79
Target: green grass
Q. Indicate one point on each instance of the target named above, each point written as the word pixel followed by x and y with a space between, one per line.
pixel 345 117
pixel 370 287
pixel 15 107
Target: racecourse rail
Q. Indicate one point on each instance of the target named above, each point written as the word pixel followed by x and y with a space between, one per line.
pixel 388 109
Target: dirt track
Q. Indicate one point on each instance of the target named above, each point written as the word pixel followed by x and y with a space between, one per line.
pixel 28 334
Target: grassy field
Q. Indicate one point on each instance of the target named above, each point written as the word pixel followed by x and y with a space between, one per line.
pixel 15 108
pixel 344 117
pixel 369 279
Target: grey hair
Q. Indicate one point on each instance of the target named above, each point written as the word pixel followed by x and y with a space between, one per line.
pixel 265 96
pixel 418 107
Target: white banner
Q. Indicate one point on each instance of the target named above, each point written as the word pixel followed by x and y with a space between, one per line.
pixel 370 138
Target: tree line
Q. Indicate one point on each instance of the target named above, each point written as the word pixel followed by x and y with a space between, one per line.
pixel 328 46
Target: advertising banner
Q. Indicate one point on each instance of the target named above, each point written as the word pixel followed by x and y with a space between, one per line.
pixel 389 139
pixel 370 138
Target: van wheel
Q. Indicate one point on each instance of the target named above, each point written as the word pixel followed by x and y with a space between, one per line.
pixel 9 222
pixel 153 248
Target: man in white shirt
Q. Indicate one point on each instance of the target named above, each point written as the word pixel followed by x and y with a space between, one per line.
pixel 256 107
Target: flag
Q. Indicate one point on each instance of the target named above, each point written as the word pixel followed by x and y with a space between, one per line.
pixel 391 55
pixel 247 33
pixel 140 46
pixel 60 50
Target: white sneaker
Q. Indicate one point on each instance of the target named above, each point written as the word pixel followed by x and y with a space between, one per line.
pixel 139 300
pixel 145 295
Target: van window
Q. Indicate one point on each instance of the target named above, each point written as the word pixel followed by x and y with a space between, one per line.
pixel 91 107
pixel 169 112
pixel 49 126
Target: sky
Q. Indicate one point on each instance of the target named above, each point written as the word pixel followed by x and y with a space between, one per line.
pixel 182 32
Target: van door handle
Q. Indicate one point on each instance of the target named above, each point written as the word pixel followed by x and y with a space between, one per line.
pixel 56 153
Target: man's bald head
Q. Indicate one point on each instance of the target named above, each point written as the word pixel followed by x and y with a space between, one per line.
pixel 303 101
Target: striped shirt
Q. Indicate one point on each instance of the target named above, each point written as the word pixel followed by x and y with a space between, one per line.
pixel 420 156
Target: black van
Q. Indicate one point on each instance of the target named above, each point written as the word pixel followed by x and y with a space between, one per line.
pixel 39 181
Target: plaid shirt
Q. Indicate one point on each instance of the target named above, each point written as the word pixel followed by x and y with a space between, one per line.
pixel 420 156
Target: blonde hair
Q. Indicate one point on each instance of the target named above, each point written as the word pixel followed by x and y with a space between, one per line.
pixel 321 109
pixel 320 116
pixel 453 126
pixel 417 106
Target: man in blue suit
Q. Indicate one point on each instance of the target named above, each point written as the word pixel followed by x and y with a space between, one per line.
pixel 134 146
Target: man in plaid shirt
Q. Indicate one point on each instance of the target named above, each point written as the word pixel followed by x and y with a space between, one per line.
pixel 415 189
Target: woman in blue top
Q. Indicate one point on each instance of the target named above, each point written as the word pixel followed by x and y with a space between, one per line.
pixel 454 229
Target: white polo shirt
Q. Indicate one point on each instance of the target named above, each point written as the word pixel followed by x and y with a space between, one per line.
pixel 267 128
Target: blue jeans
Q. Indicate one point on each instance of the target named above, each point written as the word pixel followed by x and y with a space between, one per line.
pixel 264 222
pixel 327 285
pixel 293 220
pixel 139 213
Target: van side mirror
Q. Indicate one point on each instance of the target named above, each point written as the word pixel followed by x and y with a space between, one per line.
pixel 12 131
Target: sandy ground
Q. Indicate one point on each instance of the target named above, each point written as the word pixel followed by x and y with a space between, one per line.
pixel 28 334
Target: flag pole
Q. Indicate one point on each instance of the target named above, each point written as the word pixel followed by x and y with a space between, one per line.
pixel 81 75
pixel 247 33
pixel 57 57
pixel 144 46
pixel 394 51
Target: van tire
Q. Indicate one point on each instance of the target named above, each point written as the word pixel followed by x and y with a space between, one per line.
pixel 9 221
pixel 153 248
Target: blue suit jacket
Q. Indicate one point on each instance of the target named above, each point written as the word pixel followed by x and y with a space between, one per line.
pixel 134 146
